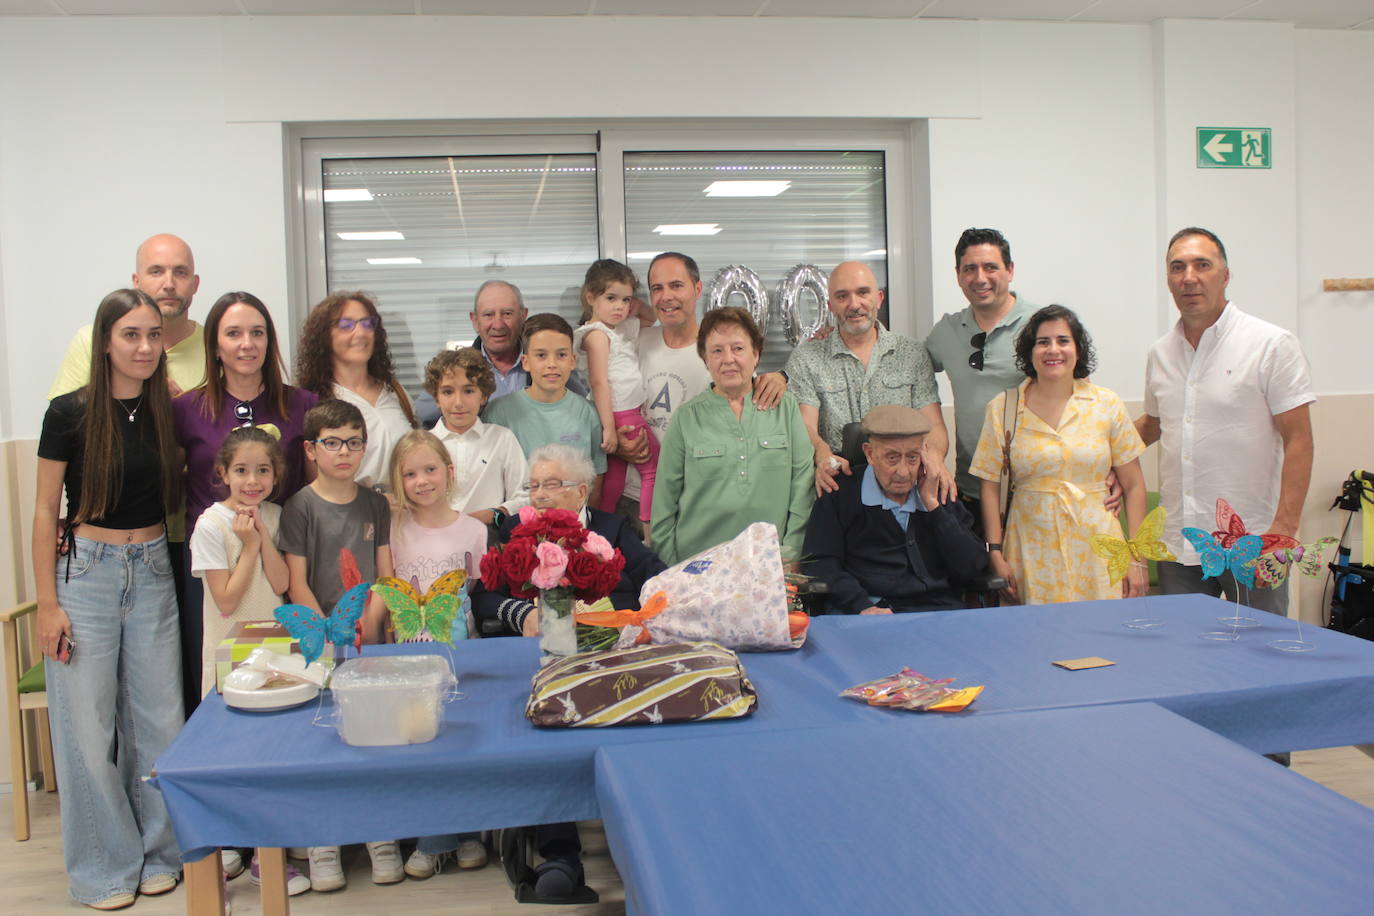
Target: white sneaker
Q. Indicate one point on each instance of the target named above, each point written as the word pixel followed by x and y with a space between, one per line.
pixel 423 865
pixel 325 871
pixel 231 862
pixel 472 854
pixel 386 862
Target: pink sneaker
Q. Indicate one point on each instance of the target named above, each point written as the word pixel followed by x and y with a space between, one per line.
pixel 296 883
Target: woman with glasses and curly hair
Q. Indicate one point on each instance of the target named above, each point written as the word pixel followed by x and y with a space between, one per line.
pixel 343 353
pixel 1068 434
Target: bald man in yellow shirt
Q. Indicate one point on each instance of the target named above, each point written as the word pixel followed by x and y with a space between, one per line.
pixel 165 269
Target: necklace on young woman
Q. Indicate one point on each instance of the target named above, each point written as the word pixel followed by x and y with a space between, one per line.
pixel 131 413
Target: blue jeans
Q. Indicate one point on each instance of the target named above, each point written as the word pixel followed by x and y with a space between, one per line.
pixel 444 842
pixel 114 709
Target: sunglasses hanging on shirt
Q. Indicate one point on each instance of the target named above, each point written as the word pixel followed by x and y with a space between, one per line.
pixel 978 342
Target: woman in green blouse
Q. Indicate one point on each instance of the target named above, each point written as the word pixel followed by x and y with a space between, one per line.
pixel 725 463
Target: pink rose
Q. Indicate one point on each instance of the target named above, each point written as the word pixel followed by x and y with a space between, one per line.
pixel 553 560
pixel 528 514
pixel 598 546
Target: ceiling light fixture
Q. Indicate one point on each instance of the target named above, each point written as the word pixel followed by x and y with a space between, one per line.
pixel 875 253
pixel 345 195
pixel 383 236
pixel 388 261
pixel 746 188
pixel 688 229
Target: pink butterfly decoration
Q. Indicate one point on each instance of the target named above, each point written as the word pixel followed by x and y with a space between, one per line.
pixel 1231 529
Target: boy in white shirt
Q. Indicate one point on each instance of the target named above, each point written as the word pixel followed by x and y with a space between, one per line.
pixel 491 473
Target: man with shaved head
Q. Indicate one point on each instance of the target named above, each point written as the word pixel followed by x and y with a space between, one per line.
pixel 165 269
pixel 838 380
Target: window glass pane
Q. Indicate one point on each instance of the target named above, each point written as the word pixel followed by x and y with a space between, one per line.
pixel 457 221
pixel 809 207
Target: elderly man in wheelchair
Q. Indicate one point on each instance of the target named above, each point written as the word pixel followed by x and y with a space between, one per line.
pixel 883 542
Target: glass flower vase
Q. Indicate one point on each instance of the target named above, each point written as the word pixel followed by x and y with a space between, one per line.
pixel 557 628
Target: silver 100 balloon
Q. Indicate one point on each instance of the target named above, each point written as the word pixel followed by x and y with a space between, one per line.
pixel 786 299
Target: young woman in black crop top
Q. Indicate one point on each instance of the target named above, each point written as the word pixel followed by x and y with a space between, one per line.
pixel 107 614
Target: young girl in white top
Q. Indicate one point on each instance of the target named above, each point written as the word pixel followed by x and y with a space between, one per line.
pixel 234 545
pixel 234 549
pixel 609 337
pixel 428 536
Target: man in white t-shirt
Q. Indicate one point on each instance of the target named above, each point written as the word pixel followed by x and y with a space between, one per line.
pixel 673 371
pixel 1227 397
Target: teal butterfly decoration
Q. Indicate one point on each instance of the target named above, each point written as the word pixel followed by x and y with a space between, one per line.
pixel 313 630
pixel 1239 557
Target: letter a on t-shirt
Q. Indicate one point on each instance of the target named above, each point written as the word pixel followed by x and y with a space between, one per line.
pixel 663 400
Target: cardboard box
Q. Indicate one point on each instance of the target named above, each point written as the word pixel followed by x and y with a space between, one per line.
pixel 247 635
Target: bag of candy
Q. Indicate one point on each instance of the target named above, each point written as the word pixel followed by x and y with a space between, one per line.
pixel 910 689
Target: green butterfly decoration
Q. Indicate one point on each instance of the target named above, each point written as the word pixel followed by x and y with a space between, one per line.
pixel 412 615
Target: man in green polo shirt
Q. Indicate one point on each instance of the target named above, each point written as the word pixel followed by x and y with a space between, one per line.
pixel 976 348
pixel 165 269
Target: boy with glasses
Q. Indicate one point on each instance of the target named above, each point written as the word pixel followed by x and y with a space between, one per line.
pixel 332 533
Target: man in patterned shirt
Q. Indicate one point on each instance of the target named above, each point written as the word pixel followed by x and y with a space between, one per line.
pixel 841 378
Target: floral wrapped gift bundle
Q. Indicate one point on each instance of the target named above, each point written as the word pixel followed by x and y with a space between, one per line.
pixel 553 559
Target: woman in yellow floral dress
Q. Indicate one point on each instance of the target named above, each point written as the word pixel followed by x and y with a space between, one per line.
pixel 1069 433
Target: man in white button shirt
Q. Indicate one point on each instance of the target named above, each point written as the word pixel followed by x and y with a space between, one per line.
pixel 1227 397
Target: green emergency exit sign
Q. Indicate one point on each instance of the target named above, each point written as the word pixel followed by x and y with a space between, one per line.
pixel 1233 148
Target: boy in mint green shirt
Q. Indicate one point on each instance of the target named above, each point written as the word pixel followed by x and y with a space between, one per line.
pixel 546 412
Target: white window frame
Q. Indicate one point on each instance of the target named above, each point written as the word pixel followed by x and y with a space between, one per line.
pixel 907 267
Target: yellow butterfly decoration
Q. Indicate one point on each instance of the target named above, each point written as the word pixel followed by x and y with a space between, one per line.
pixel 1146 545
pixel 433 612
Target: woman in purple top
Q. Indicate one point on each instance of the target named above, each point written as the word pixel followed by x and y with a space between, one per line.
pixel 243 387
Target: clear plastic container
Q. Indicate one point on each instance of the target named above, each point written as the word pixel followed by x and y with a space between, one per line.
pixel 390 699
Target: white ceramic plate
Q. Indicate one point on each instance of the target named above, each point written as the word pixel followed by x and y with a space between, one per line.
pixel 264 700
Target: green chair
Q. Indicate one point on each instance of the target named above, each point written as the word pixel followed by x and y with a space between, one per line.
pixel 27 691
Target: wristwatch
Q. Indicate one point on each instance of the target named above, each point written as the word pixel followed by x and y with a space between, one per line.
pixel 991 546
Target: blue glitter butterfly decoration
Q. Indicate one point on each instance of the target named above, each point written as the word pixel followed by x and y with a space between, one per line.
pixel 1240 557
pixel 313 630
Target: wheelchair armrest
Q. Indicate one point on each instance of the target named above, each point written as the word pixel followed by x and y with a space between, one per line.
pixel 986 583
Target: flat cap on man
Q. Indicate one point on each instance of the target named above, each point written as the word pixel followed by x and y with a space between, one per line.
pixel 891 421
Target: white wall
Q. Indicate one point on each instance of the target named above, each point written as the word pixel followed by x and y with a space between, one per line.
pixel 1061 161
pixel 1221 74
pixel 1335 191
pixel 107 148
pixel 1075 139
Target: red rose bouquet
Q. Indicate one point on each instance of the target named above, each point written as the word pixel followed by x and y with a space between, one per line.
pixel 551 557
pixel 550 550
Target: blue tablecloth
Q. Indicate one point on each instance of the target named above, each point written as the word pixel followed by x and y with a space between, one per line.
pixel 1266 700
pixel 233 778
pixel 1128 809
